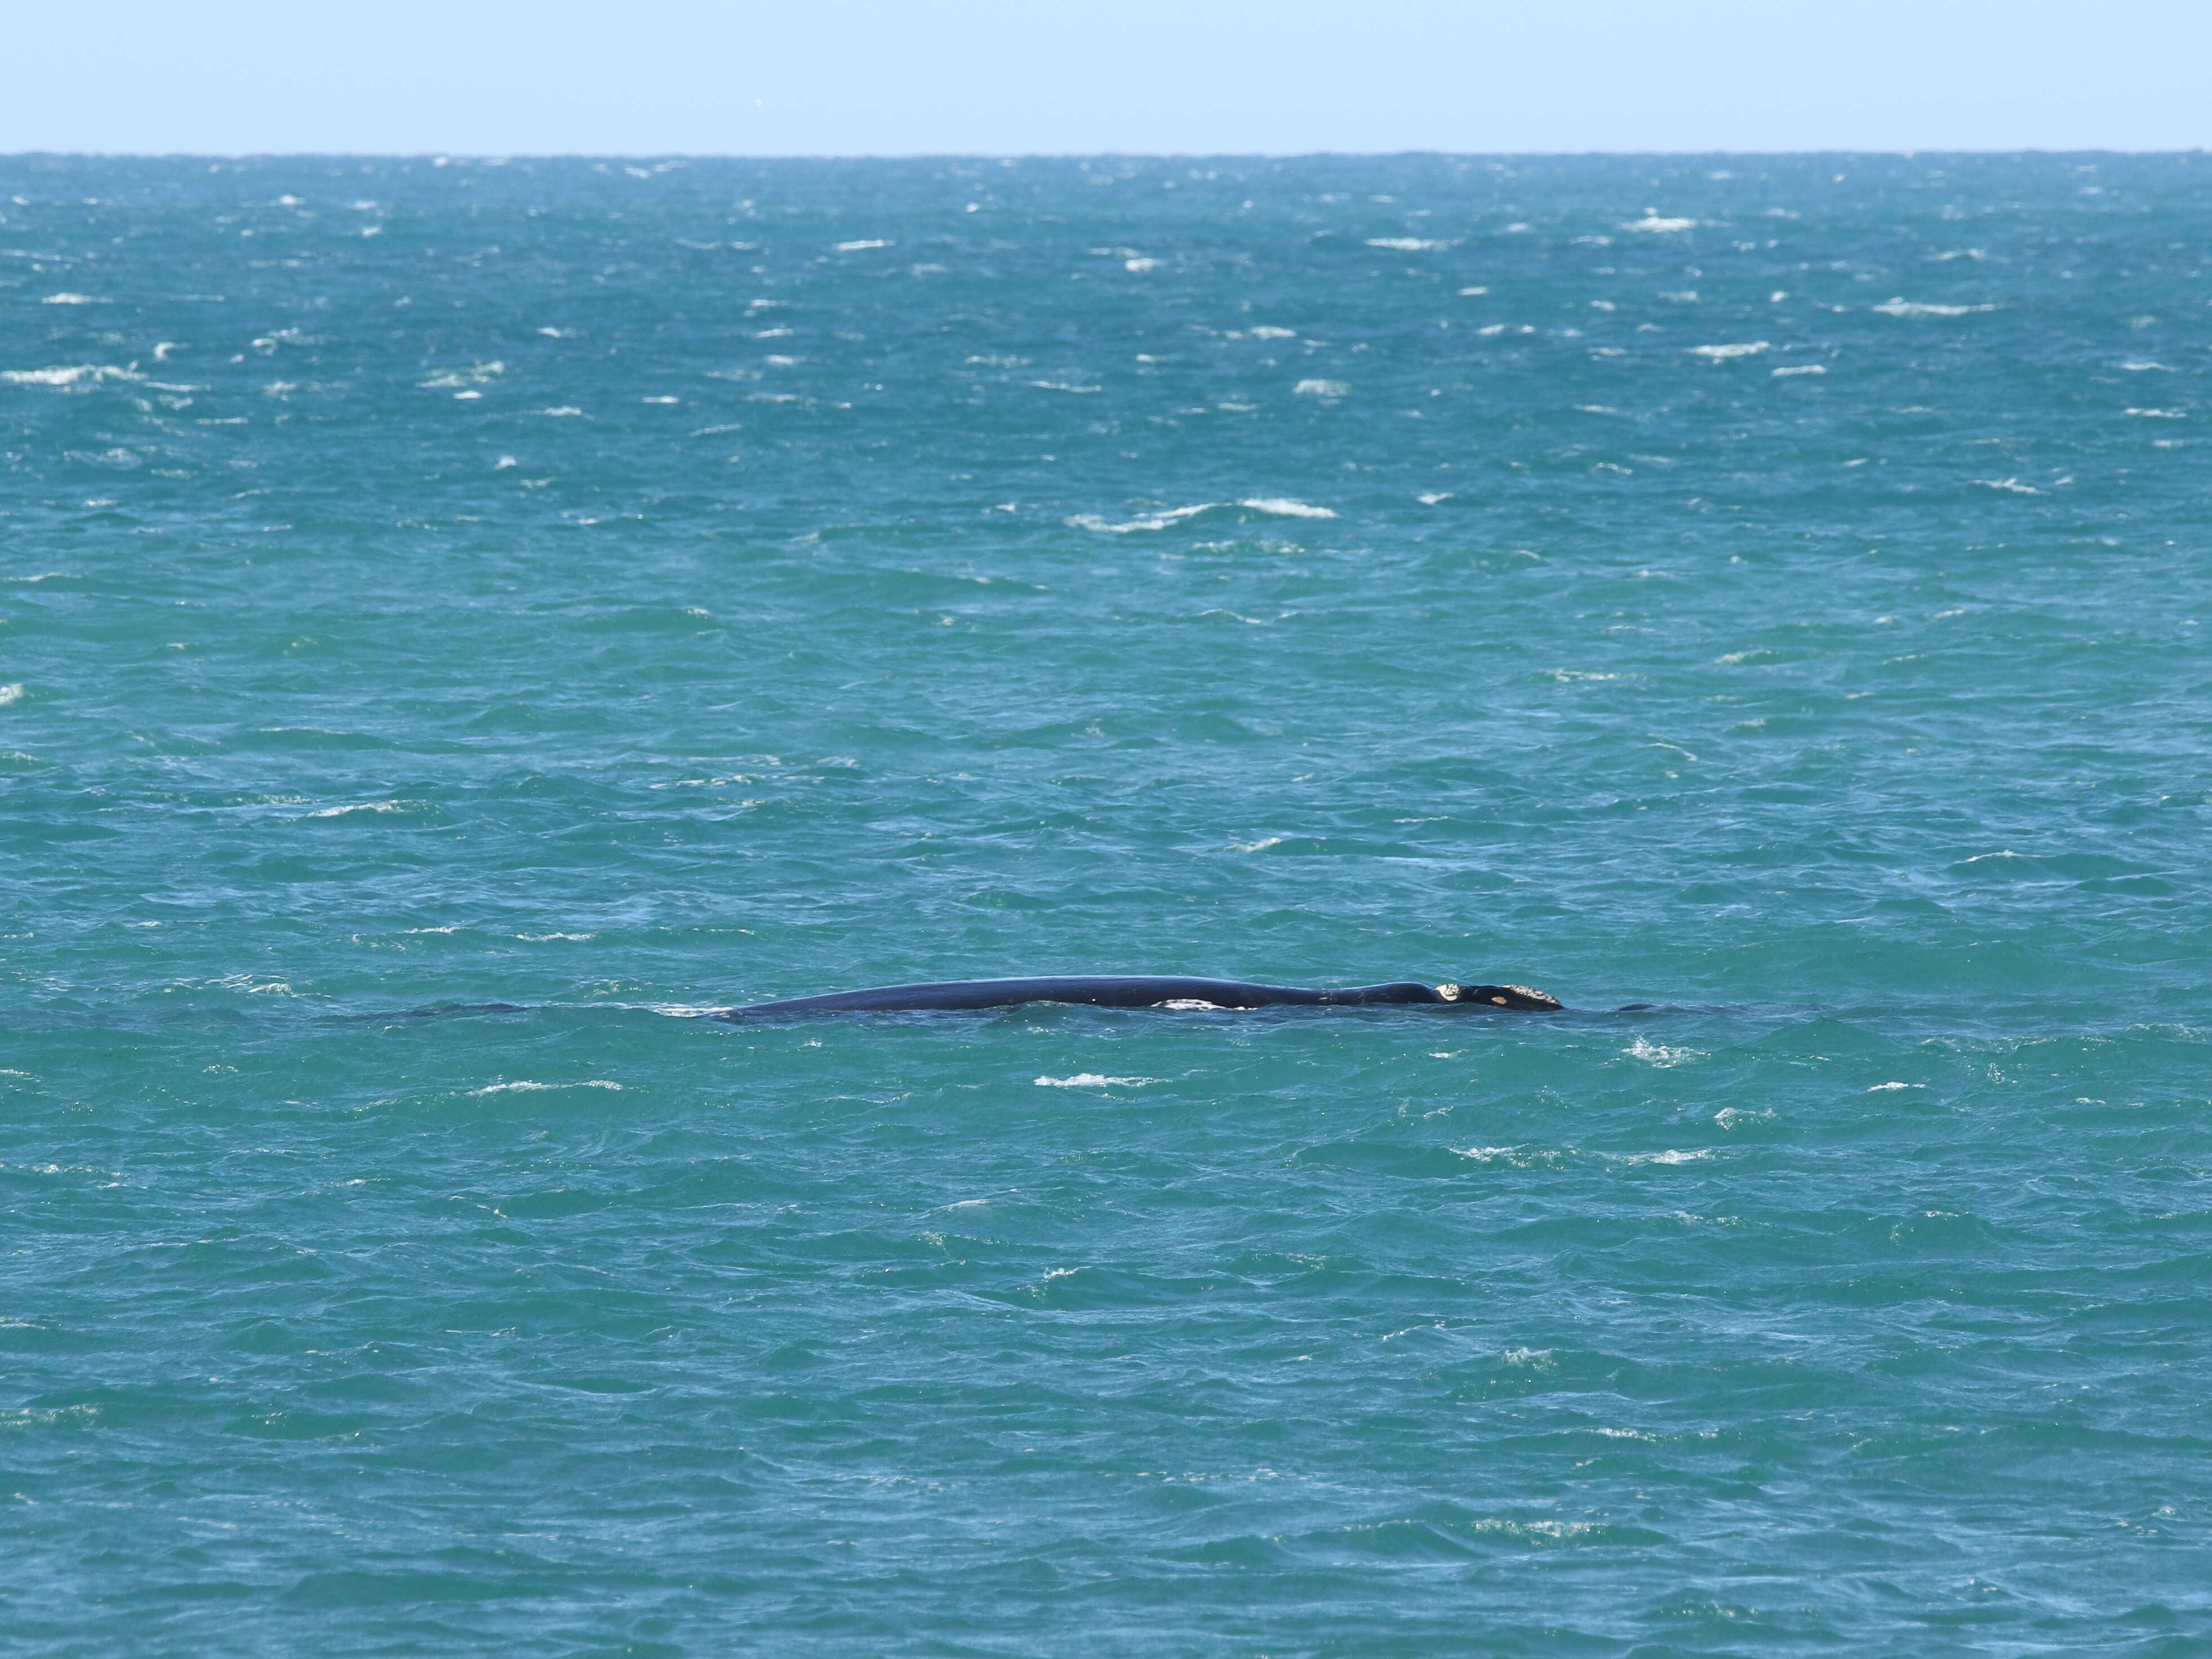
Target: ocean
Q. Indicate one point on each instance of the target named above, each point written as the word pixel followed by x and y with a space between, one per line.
pixel 462 621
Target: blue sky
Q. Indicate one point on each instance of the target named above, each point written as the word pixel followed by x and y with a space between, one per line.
pixel 869 77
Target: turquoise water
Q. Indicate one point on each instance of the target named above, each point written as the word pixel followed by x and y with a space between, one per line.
pixel 1772 589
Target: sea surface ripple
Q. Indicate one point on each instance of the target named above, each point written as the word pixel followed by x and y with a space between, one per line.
pixel 1773 590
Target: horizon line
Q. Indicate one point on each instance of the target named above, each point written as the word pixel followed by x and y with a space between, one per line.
pixel 449 157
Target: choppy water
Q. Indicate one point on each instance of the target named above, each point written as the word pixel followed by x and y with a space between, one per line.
pixel 1775 589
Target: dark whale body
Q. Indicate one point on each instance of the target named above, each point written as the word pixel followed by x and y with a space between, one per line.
pixel 1118 991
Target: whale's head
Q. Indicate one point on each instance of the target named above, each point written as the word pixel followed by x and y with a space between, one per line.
pixel 1525 997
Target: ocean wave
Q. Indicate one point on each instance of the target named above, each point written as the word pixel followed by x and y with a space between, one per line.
pixel 1653 224
pixel 474 375
pixel 68 375
pixel 1279 507
pixel 361 806
pixel 1091 1080
pixel 1914 308
pixel 1721 353
pixel 1407 244
pixel 527 1087
pixel 1654 1053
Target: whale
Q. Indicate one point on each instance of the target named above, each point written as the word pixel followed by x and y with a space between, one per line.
pixel 1148 991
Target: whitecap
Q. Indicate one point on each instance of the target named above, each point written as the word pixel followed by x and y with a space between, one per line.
pixel 1801 368
pixel 1283 507
pixel 565 409
pixel 69 375
pixel 474 375
pixel 1150 521
pixel 1259 846
pixel 1656 1054
pixel 1279 507
pixel 251 987
pixel 1651 223
pixel 2158 414
pixel 11 694
pixel 1269 331
pixel 1091 1080
pixel 860 246
pixel 1909 308
pixel 2012 485
pixel 528 1087
pixel 71 300
pixel 1320 389
pixel 1721 353
pixel 1884 1088
pixel 1406 243
pixel 363 806
pixel 1141 265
